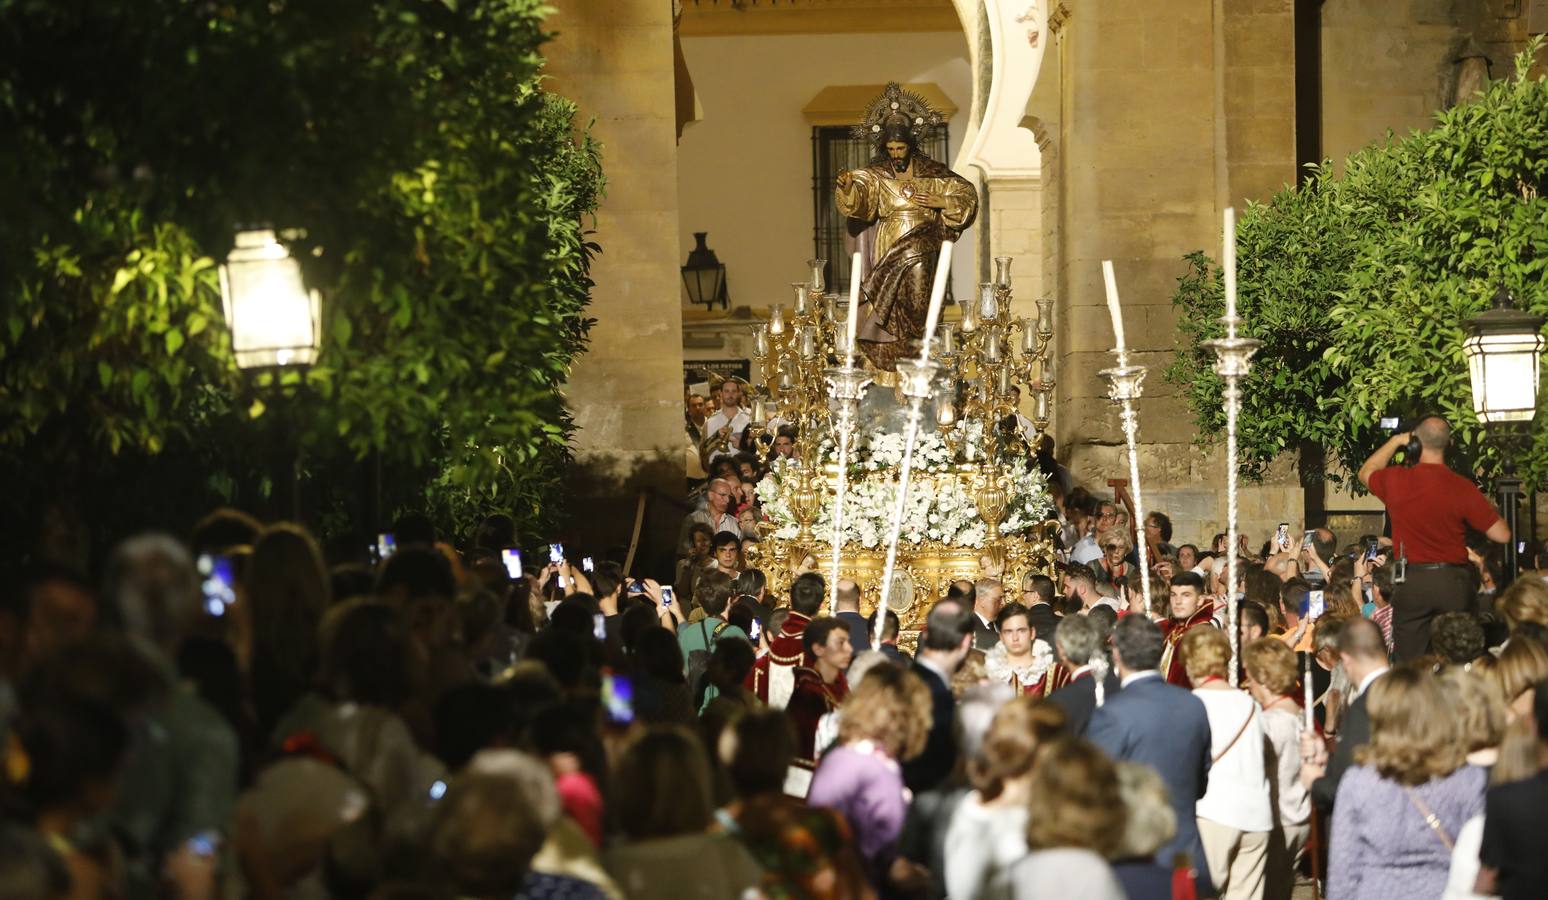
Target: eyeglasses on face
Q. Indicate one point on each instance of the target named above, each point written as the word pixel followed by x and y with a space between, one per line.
pixel 1114 547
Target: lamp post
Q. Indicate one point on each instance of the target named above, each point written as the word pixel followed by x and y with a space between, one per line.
pixel 1503 348
pixel 276 324
pixel 704 275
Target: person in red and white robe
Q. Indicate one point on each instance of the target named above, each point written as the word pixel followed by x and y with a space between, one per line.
pixel 772 678
pixel 1190 610
pixel 1020 659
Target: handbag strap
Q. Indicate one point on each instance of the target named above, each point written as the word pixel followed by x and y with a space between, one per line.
pixel 1430 818
pixel 1251 714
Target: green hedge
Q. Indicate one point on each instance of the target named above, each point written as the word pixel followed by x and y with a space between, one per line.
pixel 443 198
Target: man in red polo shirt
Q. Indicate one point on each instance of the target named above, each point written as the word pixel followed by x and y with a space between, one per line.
pixel 1431 508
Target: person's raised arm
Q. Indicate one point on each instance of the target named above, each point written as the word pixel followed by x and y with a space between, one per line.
pixel 1381 457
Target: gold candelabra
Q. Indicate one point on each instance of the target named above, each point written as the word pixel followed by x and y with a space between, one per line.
pixel 984 359
pixel 989 355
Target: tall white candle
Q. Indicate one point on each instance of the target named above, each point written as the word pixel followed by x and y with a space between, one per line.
pixel 853 319
pixel 937 296
pixel 1113 309
pixel 1229 257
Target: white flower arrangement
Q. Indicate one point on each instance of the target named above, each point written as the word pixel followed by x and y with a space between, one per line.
pixel 940 504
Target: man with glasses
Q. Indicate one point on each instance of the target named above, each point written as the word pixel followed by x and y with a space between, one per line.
pixel 715 513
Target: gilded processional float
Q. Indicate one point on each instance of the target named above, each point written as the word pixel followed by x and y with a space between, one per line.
pixel 916 427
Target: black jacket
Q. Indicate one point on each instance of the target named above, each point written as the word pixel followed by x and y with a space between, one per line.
pixel 934 764
pixel 1078 700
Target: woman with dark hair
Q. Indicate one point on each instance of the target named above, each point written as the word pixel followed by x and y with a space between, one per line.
pixel 365 678
pixel 664 803
pixel 1158 535
pixel 805 852
pixel 288 590
pixel 661 692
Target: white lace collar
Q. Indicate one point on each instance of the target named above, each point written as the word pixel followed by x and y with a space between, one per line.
pixel 997 664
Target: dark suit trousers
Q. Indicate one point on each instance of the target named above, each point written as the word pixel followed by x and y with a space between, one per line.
pixel 1426 594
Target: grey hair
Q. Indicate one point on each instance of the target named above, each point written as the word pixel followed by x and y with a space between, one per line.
pixel 865 661
pixel 975 712
pixel 531 778
pixel 985 586
pixel 1150 822
pixel 1079 639
pixel 152 588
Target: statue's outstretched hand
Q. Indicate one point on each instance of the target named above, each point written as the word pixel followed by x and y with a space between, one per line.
pixel 844 179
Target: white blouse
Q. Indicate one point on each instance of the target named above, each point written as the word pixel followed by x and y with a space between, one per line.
pixel 1238 792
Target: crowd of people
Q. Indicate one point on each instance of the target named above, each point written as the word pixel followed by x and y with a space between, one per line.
pixel 226 714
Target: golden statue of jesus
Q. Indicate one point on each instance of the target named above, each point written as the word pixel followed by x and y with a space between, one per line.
pixel 911 204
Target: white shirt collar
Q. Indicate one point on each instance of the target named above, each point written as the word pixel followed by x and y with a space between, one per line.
pixel 931 664
pixel 1136 676
pixel 1366 681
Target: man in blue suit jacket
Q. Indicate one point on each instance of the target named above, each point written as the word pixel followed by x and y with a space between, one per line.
pixel 1162 726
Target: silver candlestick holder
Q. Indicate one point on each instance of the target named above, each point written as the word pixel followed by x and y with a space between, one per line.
pixel 1233 362
pixel 1125 383
pixel 846 388
pixel 916 379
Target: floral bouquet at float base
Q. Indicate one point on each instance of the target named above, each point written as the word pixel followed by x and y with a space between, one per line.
pixel 941 506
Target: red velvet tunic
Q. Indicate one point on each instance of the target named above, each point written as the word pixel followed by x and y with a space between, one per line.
pixel 786 649
pixel 1172 630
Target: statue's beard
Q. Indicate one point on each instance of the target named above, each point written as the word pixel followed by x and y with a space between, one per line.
pixel 900 165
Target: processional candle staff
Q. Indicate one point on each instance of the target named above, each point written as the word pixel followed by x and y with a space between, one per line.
pixel 917 379
pixel 1233 360
pixel 1306 688
pixel 846 385
pixel 1124 383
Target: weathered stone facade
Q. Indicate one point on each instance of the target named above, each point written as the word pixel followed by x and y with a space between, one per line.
pixel 1142 122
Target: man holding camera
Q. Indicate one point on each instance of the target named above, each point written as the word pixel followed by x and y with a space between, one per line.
pixel 1430 508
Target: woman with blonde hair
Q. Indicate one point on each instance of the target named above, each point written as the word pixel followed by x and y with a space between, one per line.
pixel 987 834
pixel 1399 809
pixel 1482 719
pixel 1235 816
pixel 1075 820
pixel 1111 567
pixel 1522 664
pixel 1271 678
pixel 1526 600
pixel 1150 823
pixel 883 723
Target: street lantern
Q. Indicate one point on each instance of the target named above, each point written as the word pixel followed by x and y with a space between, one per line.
pixel 1502 348
pixel 704 275
pixel 275 321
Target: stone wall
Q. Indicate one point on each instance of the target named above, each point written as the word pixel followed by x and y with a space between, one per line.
pixel 1390 64
pixel 615 60
pixel 1167 112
